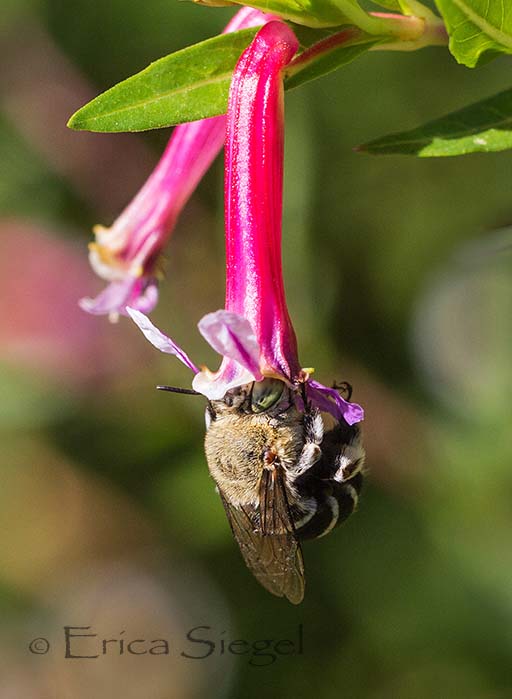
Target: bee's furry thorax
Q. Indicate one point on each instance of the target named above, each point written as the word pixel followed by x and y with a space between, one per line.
pixel 284 473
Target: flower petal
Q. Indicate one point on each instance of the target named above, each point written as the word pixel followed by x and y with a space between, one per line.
pixel 329 400
pixel 132 245
pixel 158 339
pixel 253 193
pixel 215 385
pixel 232 336
pixel 140 293
pixel 144 300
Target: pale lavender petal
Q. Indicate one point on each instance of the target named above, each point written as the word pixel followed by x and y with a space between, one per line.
pixel 329 400
pixel 215 386
pixel 111 300
pixel 139 293
pixel 145 300
pixel 232 336
pixel 158 339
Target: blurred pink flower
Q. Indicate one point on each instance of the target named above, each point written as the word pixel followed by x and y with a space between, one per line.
pixel 254 333
pixel 127 254
pixel 41 331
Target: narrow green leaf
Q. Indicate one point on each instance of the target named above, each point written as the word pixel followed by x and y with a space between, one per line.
pixel 187 85
pixel 389 4
pixel 312 13
pixel 477 28
pixel 315 63
pixel 482 127
pixel 194 83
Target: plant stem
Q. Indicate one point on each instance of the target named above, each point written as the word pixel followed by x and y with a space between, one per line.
pixel 434 34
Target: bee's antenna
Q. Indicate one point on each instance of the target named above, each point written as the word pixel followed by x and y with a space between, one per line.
pixel 176 389
pixel 345 387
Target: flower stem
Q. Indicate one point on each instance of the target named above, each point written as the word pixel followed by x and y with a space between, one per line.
pixel 413 7
pixel 320 58
pixel 434 34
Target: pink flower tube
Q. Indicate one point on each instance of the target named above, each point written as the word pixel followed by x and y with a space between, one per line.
pixel 127 254
pixel 254 333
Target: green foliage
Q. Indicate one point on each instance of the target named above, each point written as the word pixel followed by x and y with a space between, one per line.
pixel 389 4
pixel 313 13
pixel 187 85
pixel 324 63
pixel 483 127
pixel 194 83
pixel 477 28
pixel 402 6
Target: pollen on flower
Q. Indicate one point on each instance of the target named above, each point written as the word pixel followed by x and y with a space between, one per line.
pixel 107 237
pixel 111 237
pixel 99 229
pixel 305 373
pixel 207 372
pixel 105 255
pixel 106 262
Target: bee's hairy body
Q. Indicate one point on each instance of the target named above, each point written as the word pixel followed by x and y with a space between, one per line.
pixel 239 446
pixel 283 474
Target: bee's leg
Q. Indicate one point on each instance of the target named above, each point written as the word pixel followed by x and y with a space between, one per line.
pixel 349 463
pixel 349 457
pixel 344 387
pixel 209 415
pixel 313 427
pixel 311 451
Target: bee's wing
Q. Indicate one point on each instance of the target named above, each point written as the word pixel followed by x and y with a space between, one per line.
pixel 273 556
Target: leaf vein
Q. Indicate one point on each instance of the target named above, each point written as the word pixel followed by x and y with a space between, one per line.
pixel 161 96
pixel 484 25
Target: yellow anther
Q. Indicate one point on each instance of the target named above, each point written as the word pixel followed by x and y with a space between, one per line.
pixel 98 229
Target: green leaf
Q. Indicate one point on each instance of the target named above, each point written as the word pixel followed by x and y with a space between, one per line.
pixel 310 13
pixel 477 27
pixel 389 4
pixel 483 127
pixel 313 64
pixel 187 85
pixel 194 83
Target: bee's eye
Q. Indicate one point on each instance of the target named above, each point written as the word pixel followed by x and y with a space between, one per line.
pixel 265 394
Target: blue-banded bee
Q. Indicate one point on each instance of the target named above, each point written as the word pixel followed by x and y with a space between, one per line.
pixel 284 474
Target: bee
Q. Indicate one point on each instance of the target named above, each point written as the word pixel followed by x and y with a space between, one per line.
pixel 285 473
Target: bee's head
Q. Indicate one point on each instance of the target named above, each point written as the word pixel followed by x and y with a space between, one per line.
pixel 269 399
pixel 251 428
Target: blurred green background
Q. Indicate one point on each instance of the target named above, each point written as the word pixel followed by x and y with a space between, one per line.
pixel 397 281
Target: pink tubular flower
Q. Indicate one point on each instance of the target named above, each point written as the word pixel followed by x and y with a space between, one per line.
pixel 254 333
pixel 127 254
